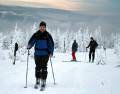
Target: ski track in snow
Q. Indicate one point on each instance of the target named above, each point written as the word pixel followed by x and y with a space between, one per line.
pixel 71 77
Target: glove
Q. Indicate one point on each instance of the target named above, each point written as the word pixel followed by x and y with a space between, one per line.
pixel 50 55
pixel 28 47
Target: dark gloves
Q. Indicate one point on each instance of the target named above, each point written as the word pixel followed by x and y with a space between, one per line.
pixel 28 47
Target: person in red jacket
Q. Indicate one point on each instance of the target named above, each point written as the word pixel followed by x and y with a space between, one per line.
pixel 74 49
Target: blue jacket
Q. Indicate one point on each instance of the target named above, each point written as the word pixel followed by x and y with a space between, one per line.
pixel 44 44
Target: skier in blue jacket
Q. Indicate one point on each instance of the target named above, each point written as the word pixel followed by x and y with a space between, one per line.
pixel 44 47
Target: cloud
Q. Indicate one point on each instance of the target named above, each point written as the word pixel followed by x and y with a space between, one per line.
pixel 88 6
pixel 61 4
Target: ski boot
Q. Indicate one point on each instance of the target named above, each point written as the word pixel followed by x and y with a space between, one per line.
pixel 43 85
pixel 37 83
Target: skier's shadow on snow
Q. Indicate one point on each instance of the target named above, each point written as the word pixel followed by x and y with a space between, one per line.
pixel 118 66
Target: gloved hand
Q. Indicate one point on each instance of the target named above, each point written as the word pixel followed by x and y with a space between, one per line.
pixel 50 55
pixel 28 47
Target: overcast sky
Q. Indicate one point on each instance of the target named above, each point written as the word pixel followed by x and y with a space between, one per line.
pixel 89 6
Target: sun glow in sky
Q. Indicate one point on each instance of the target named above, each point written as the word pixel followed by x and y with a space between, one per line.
pixel 95 6
pixel 60 4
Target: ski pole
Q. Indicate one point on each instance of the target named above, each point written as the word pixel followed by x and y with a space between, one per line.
pixel 105 54
pixel 97 53
pixel 85 55
pixel 27 69
pixel 52 71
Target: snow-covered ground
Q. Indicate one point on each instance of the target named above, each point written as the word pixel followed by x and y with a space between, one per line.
pixel 71 77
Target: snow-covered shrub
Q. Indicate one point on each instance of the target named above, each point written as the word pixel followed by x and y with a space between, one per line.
pixel 117 44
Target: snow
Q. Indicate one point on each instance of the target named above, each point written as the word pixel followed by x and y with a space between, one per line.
pixel 71 77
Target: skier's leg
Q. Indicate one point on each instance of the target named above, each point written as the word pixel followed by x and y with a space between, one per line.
pixel 90 52
pixel 93 55
pixel 44 70
pixel 37 69
pixel 75 57
pixel 72 55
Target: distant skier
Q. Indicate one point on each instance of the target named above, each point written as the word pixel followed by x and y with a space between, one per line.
pixel 74 49
pixel 44 47
pixel 93 45
pixel 15 50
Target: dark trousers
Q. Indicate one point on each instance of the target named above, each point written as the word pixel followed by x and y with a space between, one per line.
pixel 41 67
pixel 92 53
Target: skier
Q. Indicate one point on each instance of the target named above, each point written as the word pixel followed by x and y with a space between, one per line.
pixel 15 50
pixel 74 49
pixel 44 47
pixel 93 45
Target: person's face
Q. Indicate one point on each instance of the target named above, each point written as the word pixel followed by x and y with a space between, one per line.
pixel 42 28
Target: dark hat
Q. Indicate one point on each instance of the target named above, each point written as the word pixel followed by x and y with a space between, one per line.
pixel 42 24
pixel 91 38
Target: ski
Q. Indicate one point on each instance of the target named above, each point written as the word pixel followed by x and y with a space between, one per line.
pixel 100 64
pixel 89 62
pixel 72 61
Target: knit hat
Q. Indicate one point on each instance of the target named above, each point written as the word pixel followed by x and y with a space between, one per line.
pixel 42 24
pixel 91 38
